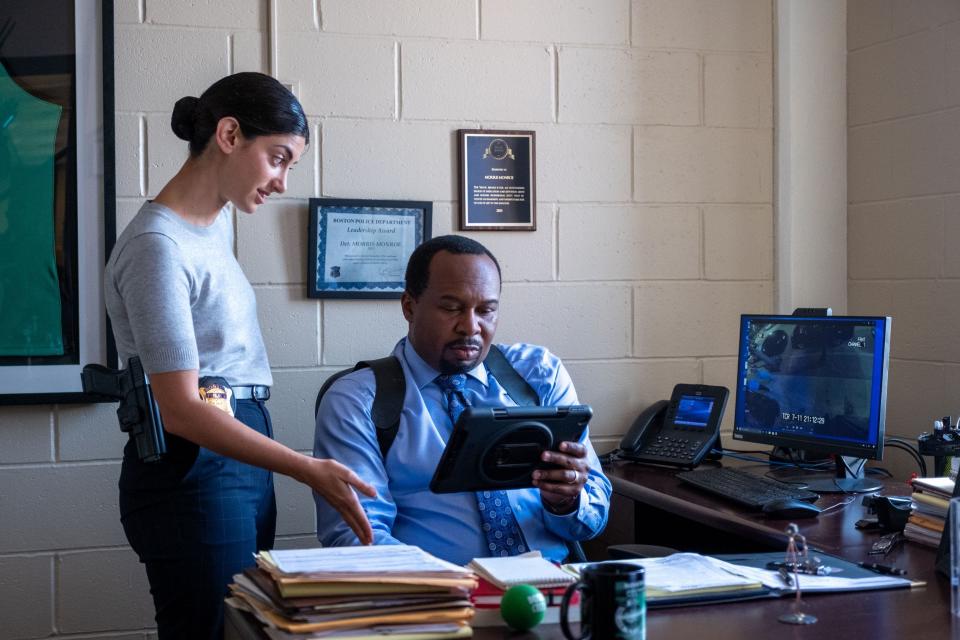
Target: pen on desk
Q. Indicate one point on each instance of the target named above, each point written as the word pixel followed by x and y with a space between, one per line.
pixel 785 576
pixel 882 568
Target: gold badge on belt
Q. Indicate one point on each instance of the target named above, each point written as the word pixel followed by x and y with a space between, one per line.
pixel 217 391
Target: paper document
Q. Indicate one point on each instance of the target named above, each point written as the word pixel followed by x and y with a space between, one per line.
pixel 936 485
pixel 405 632
pixel 378 559
pixel 812 583
pixel 692 572
pixel 523 569
pixel 689 572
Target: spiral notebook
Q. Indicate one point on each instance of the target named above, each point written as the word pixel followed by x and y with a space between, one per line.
pixel 526 569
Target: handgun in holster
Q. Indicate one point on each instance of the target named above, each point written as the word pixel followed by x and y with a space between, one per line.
pixel 138 412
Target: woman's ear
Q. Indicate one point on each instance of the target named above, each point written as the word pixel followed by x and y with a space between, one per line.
pixel 228 134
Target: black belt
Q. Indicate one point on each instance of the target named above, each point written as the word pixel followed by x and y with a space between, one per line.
pixel 251 392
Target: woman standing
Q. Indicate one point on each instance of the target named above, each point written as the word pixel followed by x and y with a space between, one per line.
pixel 177 298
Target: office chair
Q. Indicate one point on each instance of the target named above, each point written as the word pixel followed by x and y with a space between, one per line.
pixel 630 551
pixel 620 552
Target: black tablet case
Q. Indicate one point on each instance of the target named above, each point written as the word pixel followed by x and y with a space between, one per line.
pixel 499 448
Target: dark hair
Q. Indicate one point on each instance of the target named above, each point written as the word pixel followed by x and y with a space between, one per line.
pixel 260 104
pixel 418 267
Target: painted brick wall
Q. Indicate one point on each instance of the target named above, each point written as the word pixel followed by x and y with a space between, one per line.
pixel 655 226
pixel 903 218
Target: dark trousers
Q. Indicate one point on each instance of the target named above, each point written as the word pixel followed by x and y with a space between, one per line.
pixel 195 519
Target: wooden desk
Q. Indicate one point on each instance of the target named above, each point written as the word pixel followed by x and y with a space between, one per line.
pixel 650 505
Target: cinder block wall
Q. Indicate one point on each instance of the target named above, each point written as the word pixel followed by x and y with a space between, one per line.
pixel 904 189
pixel 654 159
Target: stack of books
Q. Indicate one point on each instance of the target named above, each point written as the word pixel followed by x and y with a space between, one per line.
pixel 357 592
pixel 931 498
pixel 499 574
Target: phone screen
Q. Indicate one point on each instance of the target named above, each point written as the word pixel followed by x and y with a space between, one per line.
pixel 693 411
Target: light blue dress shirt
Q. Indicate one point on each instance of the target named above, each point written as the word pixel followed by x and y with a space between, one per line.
pixel 405 510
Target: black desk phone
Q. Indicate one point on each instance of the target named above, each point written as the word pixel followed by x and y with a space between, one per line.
pixel 679 431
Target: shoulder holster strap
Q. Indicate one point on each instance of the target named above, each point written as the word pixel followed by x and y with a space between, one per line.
pixel 514 384
pixel 390 388
pixel 387 399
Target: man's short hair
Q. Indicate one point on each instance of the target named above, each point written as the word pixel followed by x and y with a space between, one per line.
pixel 418 267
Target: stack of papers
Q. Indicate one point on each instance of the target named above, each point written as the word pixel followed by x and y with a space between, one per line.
pixel 931 497
pixel 356 592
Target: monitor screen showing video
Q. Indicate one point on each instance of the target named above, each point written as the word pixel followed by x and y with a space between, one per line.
pixel 816 383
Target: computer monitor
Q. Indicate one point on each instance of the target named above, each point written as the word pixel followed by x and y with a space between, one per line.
pixel 815 383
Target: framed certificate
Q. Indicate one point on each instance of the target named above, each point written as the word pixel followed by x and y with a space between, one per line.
pixel 360 248
pixel 497 180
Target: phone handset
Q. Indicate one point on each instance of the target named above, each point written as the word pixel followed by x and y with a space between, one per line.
pixel 649 421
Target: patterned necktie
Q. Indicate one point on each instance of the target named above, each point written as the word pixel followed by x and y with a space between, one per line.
pixel 504 537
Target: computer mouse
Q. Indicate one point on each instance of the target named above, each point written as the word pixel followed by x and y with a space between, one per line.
pixel 787 509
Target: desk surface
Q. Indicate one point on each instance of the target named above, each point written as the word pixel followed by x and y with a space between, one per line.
pixel 658 487
pixel 901 613
pixel 892 613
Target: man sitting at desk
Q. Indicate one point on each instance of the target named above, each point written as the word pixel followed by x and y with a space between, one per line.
pixel 451 303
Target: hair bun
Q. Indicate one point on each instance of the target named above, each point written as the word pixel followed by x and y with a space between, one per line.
pixel 184 116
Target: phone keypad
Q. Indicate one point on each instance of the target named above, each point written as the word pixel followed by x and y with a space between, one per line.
pixel 675 447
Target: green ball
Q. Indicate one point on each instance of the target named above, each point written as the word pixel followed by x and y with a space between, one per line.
pixel 522 607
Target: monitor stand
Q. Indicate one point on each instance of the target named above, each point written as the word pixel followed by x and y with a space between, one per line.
pixel 841 482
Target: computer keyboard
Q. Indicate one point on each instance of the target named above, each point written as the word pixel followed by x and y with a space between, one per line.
pixel 747 489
